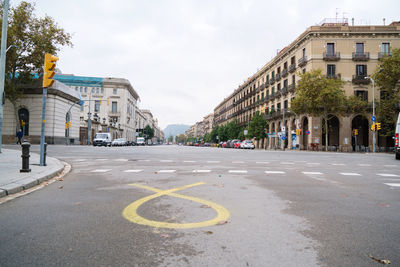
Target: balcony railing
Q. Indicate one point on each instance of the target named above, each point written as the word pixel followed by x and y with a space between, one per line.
pixel 284 90
pixel 285 73
pixel 331 56
pixel 360 56
pixel 266 83
pixel 277 76
pixel 291 87
pixel 302 61
pixel 292 68
pixel 384 54
pixel 272 80
pixel 360 79
pixel 332 76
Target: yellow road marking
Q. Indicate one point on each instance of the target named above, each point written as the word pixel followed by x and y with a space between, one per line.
pixel 130 212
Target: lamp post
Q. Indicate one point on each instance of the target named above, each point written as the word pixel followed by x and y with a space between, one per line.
pixel 373 108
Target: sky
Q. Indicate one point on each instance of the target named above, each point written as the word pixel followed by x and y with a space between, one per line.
pixel 183 57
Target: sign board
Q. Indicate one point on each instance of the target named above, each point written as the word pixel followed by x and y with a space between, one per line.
pixel 307 132
pixel 283 129
pixel 373 118
pixel 245 132
pixel 272 135
pixel 283 138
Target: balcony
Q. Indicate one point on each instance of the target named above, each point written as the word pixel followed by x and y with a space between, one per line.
pixel 272 81
pixel 384 54
pixel 278 77
pixel 332 76
pixel 360 56
pixel 285 73
pixel 292 68
pixel 291 87
pixel 331 56
pixel 360 79
pixel 285 90
pixel 302 61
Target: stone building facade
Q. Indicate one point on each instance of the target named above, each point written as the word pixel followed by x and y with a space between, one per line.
pixel 350 53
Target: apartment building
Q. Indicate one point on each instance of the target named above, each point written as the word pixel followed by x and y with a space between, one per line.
pixel 199 129
pixel 350 53
pixel 110 105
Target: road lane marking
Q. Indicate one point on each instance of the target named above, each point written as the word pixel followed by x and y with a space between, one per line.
pixel 201 171
pixel 121 160
pixel 101 170
pixel 390 165
pixel 364 165
pixel 274 172
pixel 213 161
pixel 189 161
pixel 388 175
pixel 393 184
pixel 262 162
pixel 287 163
pixel 313 163
pixel 350 174
pixel 101 159
pixel 134 171
pixel 237 171
pixel 338 164
pixel 130 212
pixel 312 173
pixel 237 162
pixel 166 171
pixel 166 160
pixel 144 160
pixel 79 160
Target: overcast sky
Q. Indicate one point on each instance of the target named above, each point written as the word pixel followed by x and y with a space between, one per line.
pixel 184 56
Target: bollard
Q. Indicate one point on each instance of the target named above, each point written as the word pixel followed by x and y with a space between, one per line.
pixel 25 157
pixel 45 154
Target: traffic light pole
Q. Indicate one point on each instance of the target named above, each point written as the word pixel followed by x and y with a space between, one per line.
pixel 373 114
pixel 3 65
pixel 43 126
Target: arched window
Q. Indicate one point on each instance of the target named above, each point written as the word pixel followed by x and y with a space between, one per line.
pixel 23 115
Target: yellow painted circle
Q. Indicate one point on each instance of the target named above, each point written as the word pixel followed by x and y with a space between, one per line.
pixel 130 212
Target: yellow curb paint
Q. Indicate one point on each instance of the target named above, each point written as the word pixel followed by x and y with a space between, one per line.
pixel 130 212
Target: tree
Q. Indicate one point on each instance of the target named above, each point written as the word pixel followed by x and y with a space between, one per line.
pixel 318 95
pixel 388 80
pixel 170 139
pixel 148 132
pixel 257 126
pixel 30 38
pixel 233 129
pixel 180 139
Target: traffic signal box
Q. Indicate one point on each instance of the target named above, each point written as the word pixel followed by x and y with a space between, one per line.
pixel 49 66
pixel 355 132
pixel 376 126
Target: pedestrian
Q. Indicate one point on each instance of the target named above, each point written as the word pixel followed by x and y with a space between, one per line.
pixel 19 136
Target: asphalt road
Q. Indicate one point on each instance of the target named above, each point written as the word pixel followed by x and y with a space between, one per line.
pixel 248 208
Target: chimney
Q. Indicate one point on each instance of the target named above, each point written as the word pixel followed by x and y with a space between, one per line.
pixel 384 22
pixel 352 21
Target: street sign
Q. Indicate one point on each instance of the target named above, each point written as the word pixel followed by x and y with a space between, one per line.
pixel 245 132
pixel 283 129
pixel 373 118
pixel 283 138
pixel 307 132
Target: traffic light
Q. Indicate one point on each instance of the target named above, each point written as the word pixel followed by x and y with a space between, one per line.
pixel 373 127
pixel 49 66
pixel 378 126
pixel 108 101
pixel 355 132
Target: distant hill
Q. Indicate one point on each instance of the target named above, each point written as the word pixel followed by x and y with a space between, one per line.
pixel 175 129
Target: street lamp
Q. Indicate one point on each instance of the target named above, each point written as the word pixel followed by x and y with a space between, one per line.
pixel 373 108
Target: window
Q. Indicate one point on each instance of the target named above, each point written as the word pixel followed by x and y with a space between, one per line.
pixel 273 74
pixel 115 91
pixel 359 48
pixel 92 90
pixel 114 107
pixel 268 78
pixel 278 70
pixel 97 90
pixel 76 88
pixel 304 70
pixel 96 105
pixel 279 87
pixel 292 60
pixel 330 70
pixel 82 107
pixel 81 89
pixel 285 104
pixel 304 52
pixel 278 107
pixel 85 89
pixel 385 48
pixel 285 65
pixel 362 94
pixel 285 83
pixel 293 79
pixel 258 97
pixel 361 70
pixel 262 95
pixel 272 90
pixel 330 49
pixel 102 90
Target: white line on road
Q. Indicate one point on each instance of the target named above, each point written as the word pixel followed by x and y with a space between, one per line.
pixel 201 171
pixel 79 160
pixel 189 161
pixel 135 171
pixel 237 162
pixel 364 165
pixel 338 164
pixel 390 165
pixel 388 175
pixel 166 171
pixel 101 159
pixel 101 170
pixel 287 163
pixel 166 160
pixel 393 184
pixel 121 160
pixel 312 173
pixel 274 172
pixel 237 171
pixel 144 160
pixel 350 174
pixel 313 163
pixel 213 161
pixel 262 162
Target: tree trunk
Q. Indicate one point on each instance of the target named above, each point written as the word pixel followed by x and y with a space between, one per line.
pixel 326 132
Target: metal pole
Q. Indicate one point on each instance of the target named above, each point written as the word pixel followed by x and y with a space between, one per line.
pixel 373 114
pixel 89 121
pixel 3 64
pixel 42 160
pixel 284 132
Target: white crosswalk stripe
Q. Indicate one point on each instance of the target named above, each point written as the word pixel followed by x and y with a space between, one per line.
pixel 189 161
pixel 166 171
pixel 393 184
pixel 350 174
pixel 237 171
pixel 166 160
pixel 287 163
pixel 364 165
pixel 338 164
pixel 262 162
pixel 237 162
pixel 121 160
pixel 101 170
pixel 134 171
pixel 201 171
pixel 312 173
pixel 275 172
pixel 388 175
pixel 213 161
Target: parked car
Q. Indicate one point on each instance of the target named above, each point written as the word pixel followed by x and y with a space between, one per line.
pixel 220 144
pixel 247 144
pixel 102 139
pixel 396 138
pixel 233 142
pixel 140 141
pixel 223 145
pixel 119 142
pixel 237 144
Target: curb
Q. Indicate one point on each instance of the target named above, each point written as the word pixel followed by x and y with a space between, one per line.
pixel 14 188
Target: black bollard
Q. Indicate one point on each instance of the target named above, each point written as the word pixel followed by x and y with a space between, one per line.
pixel 25 157
pixel 45 154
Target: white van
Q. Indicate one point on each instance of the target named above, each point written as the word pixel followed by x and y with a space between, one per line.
pixel 102 139
pixel 396 138
pixel 140 141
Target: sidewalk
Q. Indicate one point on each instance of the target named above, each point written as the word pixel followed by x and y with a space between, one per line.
pixel 13 181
